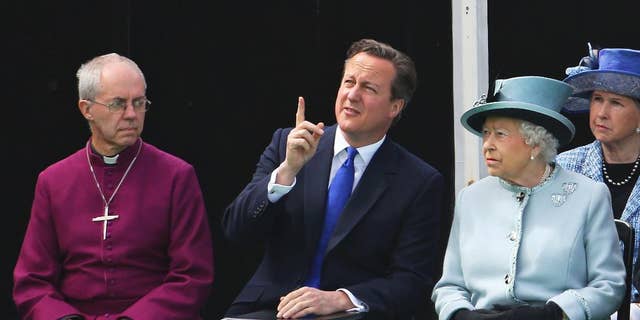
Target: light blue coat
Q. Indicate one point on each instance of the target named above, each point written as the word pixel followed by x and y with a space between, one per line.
pixel 558 243
pixel 587 160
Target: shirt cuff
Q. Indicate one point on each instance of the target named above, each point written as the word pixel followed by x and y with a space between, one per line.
pixel 276 191
pixel 359 305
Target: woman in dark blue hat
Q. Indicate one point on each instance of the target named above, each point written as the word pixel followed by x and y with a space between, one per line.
pixel 607 85
pixel 532 240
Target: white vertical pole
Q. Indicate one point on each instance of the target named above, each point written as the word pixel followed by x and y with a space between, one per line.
pixel 470 80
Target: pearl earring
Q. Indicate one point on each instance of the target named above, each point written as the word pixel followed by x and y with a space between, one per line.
pixel 637 130
pixel 532 157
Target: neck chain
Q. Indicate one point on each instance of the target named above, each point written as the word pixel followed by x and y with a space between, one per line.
pixel 545 175
pixel 627 179
pixel 106 203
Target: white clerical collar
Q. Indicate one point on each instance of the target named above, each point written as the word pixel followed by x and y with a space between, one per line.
pixel 366 152
pixel 110 160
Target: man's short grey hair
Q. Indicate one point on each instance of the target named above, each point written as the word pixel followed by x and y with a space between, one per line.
pixel 535 135
pixel 89 74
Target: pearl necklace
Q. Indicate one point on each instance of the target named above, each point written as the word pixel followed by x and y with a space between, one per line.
pixel 546 174
pixel 627 179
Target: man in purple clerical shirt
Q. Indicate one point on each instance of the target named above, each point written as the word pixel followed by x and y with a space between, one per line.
pixel 118 230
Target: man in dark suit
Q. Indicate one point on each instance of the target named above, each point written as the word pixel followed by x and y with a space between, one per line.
pixel 380 256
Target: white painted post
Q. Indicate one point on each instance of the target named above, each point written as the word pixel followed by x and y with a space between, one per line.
pixel 470 81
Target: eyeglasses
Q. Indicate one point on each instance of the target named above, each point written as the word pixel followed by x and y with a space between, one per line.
pixel 118 105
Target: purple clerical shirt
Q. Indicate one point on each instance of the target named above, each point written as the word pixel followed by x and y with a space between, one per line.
pixel 156 261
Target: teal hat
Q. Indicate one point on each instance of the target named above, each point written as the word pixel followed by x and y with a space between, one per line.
pixel 531 98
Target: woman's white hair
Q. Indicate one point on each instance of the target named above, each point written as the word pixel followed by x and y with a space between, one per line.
pixel 535 135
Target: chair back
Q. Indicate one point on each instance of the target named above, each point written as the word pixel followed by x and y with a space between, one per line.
pixel 626 236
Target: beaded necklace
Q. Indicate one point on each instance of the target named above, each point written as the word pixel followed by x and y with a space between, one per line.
pixel 627 179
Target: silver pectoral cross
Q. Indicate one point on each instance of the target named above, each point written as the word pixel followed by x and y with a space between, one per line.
pixel 105 218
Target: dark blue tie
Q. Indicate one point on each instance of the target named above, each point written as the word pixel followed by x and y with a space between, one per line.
pixel 339 192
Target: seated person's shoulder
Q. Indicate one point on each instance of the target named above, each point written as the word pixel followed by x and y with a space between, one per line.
pixel 415 164
pixel 573 155
pixel 167 160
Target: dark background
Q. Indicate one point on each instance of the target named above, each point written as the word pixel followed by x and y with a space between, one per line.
pixel 223 75
pixel 544 37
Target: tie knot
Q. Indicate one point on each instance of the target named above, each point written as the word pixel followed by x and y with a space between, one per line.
pixel 351 154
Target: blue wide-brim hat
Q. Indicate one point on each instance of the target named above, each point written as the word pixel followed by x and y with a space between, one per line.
pixel 531 98
pixel 615 70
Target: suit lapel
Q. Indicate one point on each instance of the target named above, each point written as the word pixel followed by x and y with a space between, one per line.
pixel 373 183
pixel 593 163
pixel 633 203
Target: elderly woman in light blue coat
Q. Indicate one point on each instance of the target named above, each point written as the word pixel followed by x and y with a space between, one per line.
pixel 532 240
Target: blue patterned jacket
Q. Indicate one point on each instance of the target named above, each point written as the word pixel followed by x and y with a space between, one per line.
pixel 587 160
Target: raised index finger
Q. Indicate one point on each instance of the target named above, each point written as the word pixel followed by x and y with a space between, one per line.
pixel 300 112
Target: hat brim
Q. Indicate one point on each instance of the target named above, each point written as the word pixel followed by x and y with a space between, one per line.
pixel 584 83
pixel 558 125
